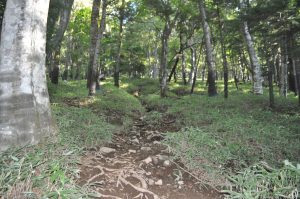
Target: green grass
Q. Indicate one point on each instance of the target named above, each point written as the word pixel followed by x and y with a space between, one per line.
pixel 50 169
pixel 221 136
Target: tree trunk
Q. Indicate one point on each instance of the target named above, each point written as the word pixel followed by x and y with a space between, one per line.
pixel 94 75
pixel 120 37
pixel 24 101
pixel 155 66
pixel 270 79
pixel 212 90
pixel 256 68
pixel 94 38
pixel 224 56
pixel 283 83
pixel 54 45
pixel 164 58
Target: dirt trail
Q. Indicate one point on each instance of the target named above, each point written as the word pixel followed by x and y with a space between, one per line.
pixel 137 165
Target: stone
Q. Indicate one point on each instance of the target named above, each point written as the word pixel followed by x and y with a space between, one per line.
pixel 151 182
pixel 107 150
pixel 167 163
pixel 159 182
pixel 131 151
pixel 148 160
pixel 145 149
pixel 155 160
pixel 135 141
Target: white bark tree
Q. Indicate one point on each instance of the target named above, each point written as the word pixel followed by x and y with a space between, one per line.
pixel 25 116
pixel 256 67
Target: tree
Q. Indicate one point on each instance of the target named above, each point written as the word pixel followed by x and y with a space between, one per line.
pixel 256 67
pixel 212 90
pixel 95 72
pixel 24 101
pixel 58 20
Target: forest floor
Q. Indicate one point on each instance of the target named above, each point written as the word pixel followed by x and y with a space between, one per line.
pixel 130 143
pixel 135 164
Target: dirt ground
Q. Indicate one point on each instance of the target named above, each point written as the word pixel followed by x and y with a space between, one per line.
pixel 136 165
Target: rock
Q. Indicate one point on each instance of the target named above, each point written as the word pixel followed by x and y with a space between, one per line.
pixel 155 160
pixel 167 163
pixel 148 174
pixel 151 182
pixel 148 160
pixel 156 142
pixel 131 151
pixel 107 150
pixel 180 182
pixel 145 149
pixel 159 183
pixel 136 141
pixel 162 157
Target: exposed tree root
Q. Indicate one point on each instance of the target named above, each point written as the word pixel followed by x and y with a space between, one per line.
pixel 139 189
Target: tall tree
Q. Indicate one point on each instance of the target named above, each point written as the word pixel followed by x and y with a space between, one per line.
pixel 256 67
pixel 94 71
pixel 58 20
pixel 93 36
pixel 212 89
pixel 24 101
pixel 121 18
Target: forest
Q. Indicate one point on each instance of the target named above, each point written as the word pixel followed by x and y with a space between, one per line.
pixel 150 99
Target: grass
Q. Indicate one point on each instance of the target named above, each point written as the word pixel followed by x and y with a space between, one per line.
pixel 50 169
pixel 228 137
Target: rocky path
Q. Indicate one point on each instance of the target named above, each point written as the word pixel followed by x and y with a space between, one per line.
pixel 137 165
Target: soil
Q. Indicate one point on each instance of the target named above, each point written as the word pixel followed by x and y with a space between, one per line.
pixel 139 167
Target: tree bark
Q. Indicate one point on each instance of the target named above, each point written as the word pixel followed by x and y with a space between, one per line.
pixel 256 67
pixel 24 101
pixel 119 48
pixel 212 90
pixel 54 45
pixel 94 75
pixel 94 37
pixel 164 57
pixel 224 56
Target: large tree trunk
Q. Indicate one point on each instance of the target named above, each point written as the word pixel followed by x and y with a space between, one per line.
pixel 54 45
pixel 212 90
pixel 164 58
pixel 120 38
pixel 24 102
pixel 94 68
pixel 256 68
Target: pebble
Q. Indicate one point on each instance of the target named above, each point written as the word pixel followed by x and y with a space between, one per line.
pixel 135 141
pixel 159 183
pixel 145 149
pixel 166 163
pixel 148 160
pixel 151 182
pixel 155 160
pixel 107 150
pixel 131 151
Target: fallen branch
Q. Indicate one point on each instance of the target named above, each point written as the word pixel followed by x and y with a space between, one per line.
pixel 139 189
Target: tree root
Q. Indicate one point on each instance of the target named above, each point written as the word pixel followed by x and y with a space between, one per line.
pixel 139 189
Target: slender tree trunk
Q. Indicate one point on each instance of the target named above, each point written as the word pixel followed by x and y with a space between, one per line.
pixel 212 89
pixel 24 101
pixel 270 79
pixel 256 68
pixel 283 88
pixel 54 44
pixel 120 37
pixel 224 56
pixel 94 75
pixel 164 58
pixel 155 70
pixel 94 39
